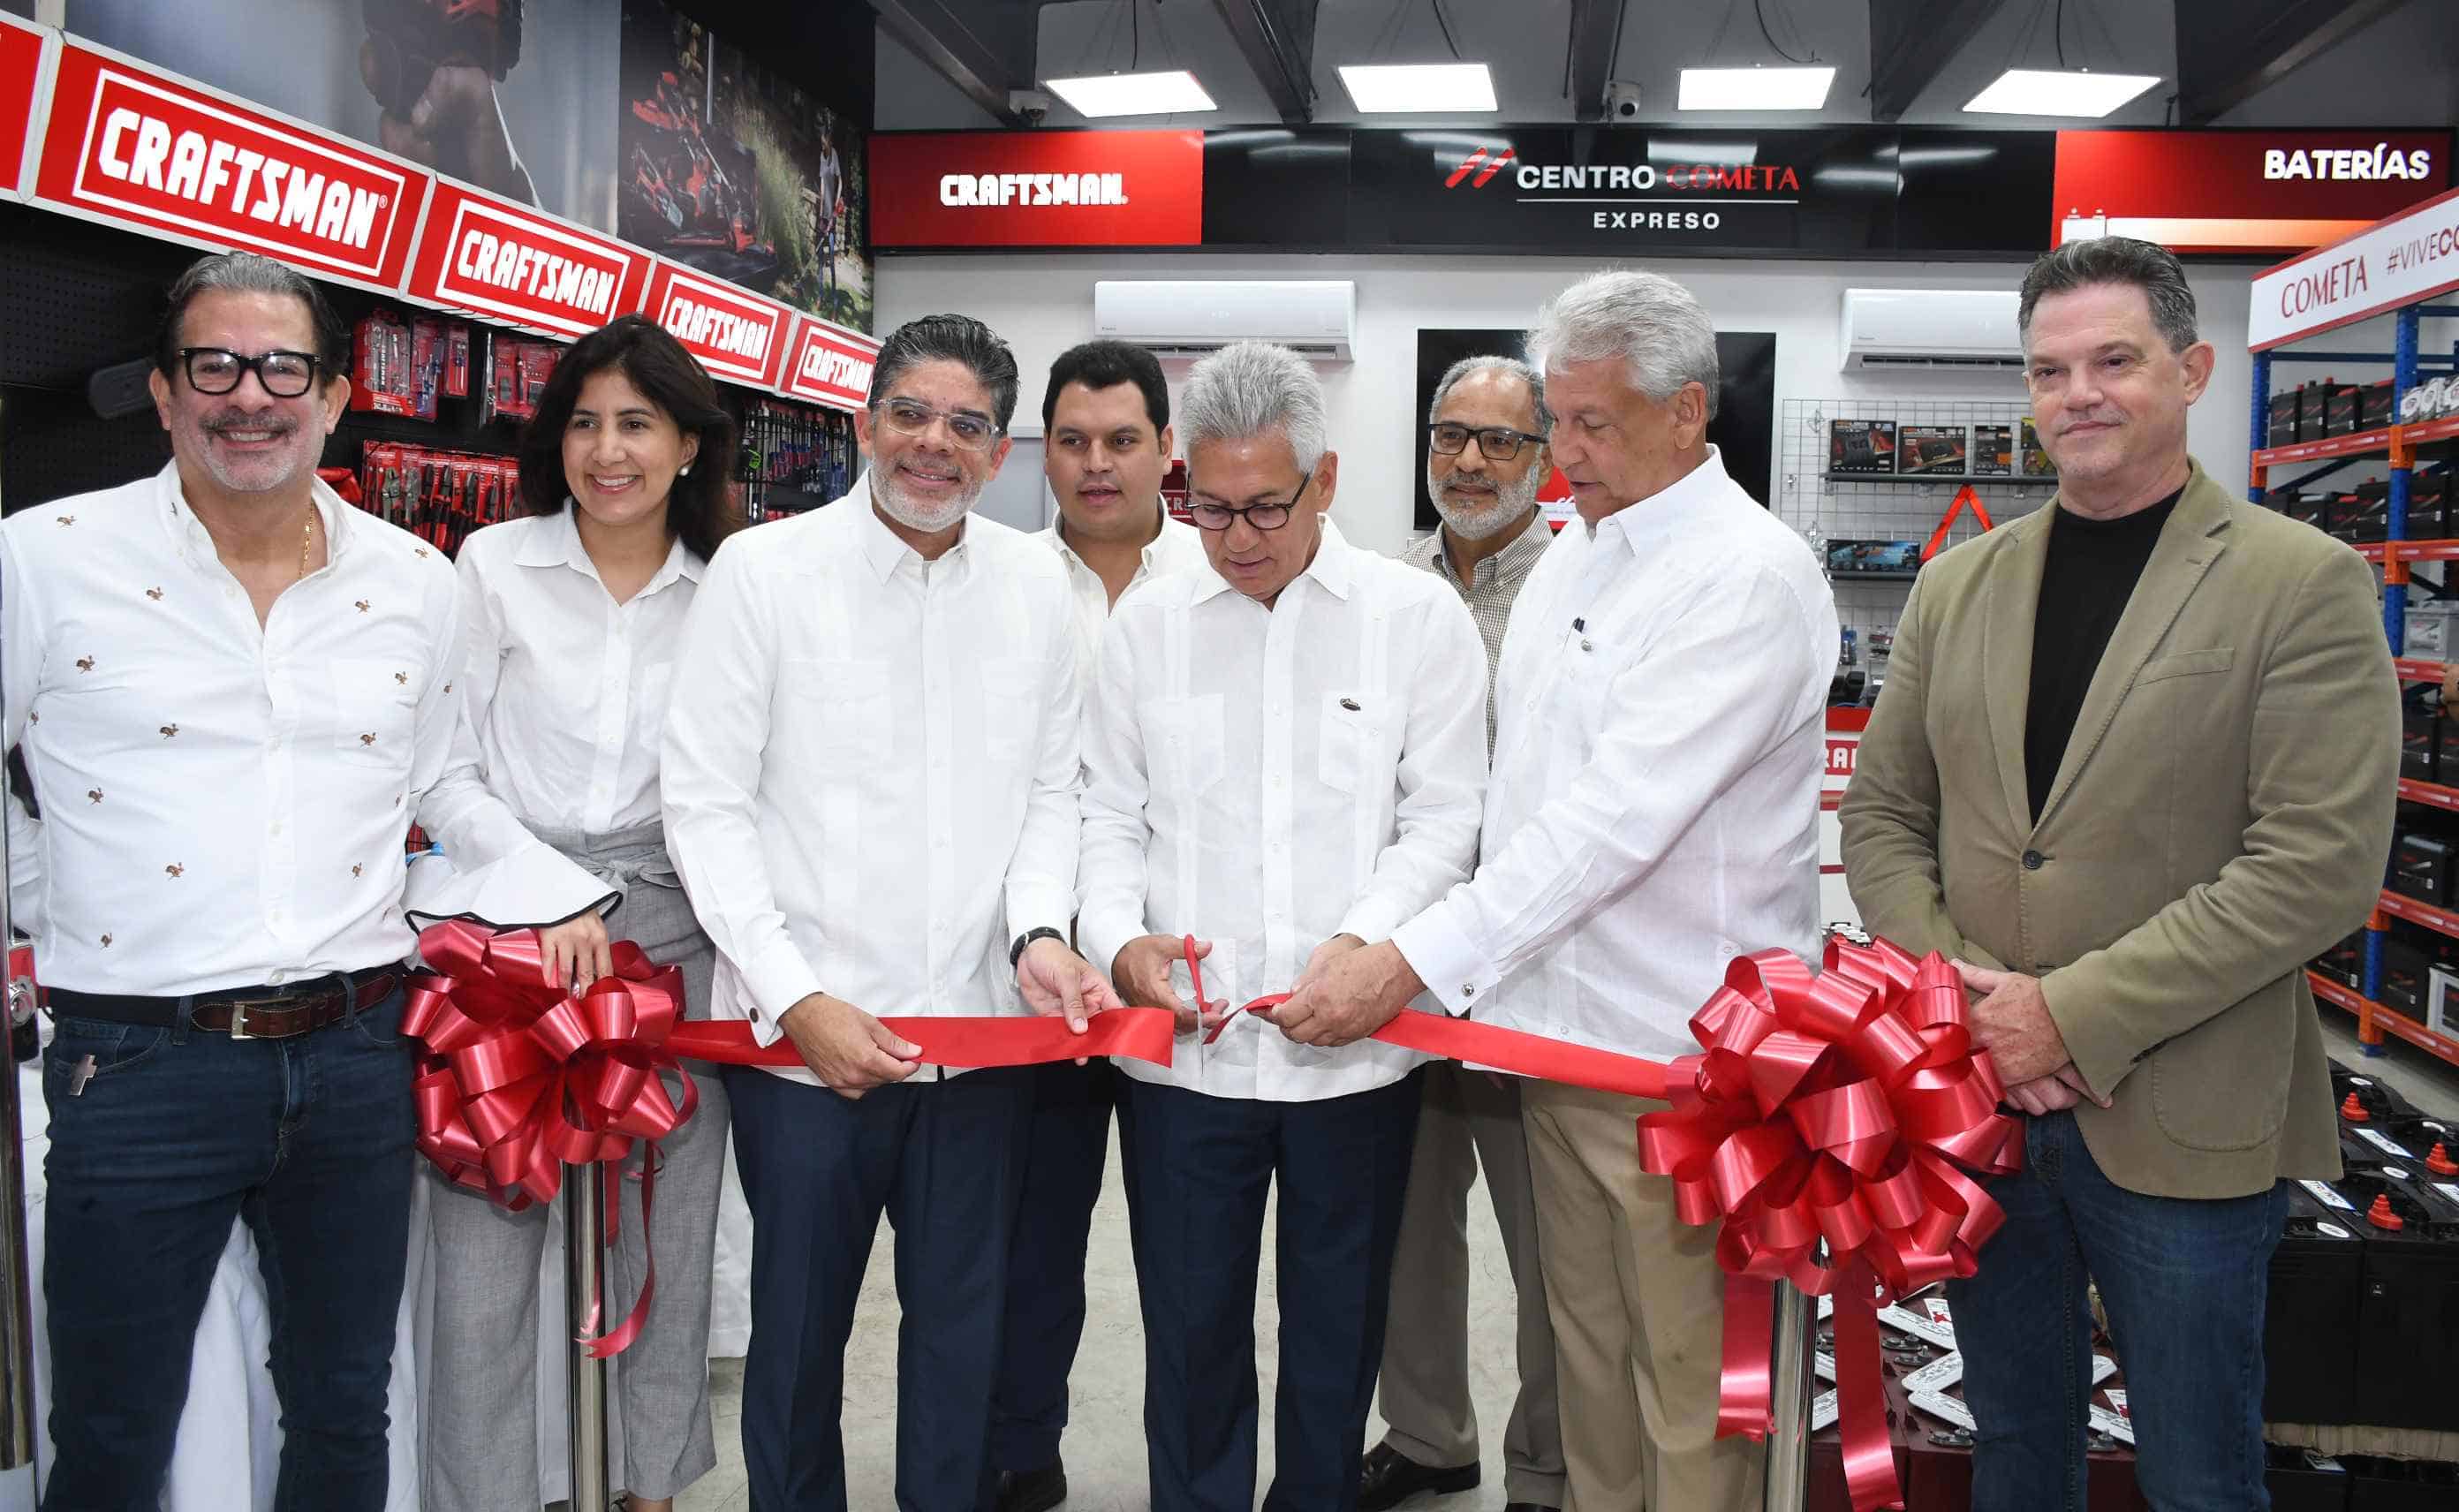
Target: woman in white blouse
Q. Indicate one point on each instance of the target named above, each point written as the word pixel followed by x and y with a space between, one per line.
pixel 571 618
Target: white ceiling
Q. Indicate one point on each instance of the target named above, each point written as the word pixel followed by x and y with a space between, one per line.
pixel 2402 70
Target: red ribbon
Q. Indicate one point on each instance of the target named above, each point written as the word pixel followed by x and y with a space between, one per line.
pixel 1841 1108
pixel 520 1078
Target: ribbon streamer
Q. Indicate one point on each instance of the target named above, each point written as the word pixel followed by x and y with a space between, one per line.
pixel 1840 1109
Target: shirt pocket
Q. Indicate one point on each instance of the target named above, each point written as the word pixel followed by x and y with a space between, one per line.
pixel 2186 663
pixel 1011 706
pixel 1349 741
pixel 838 705
pixel 1182 744
pixel 374 712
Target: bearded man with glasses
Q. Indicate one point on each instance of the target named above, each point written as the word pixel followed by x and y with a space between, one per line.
pixel 232 690
pixel 871 788
pixel 1284 758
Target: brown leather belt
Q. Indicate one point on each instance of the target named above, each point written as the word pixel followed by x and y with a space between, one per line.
pixel 244 1013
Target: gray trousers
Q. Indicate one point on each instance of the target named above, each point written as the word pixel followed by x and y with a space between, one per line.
pixel 1467 1121
pixel 482 1368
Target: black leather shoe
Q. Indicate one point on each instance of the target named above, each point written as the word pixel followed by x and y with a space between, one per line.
pixel 1032 1490
pixel 1390 1478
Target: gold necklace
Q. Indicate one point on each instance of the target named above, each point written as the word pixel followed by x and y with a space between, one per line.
pixel 307 541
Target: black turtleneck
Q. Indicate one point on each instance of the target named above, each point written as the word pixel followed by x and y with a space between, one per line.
pixel 2092 567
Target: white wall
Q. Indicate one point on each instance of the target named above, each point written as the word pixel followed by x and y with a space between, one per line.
pixel 1043 303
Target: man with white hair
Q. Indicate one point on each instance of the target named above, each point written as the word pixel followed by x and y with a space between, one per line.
pixel 1485 459
pixel 1282 760
pixel 870 785
pixel 1652 813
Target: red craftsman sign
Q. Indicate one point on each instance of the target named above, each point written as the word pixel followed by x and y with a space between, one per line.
pixel 2241 191
pixel 21 80
pixel 518 267
pixel 1074 188
pixel 173 159
pixel 831 366
pixel 735 334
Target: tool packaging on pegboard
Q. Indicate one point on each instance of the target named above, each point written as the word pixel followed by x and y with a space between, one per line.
pixel 439 496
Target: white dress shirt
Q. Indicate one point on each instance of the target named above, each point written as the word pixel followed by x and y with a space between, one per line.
pixel 1267 779
pixel 871 768
pixel 1178 548
pixel 1655 805
pixel 564 707
pixel 223 805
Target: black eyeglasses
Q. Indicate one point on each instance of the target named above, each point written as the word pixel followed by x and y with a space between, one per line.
pixel 1499 443
pixel 217 371
pixel 1263 517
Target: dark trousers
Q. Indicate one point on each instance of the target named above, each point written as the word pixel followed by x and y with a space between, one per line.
pixel 1066 1155
pixel 1199 1169
pixel 176 1133
pixel 940 1158
pixel 2183 1282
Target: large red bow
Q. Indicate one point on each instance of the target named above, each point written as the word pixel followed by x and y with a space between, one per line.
pixel 1840 1107
pixel 520 1078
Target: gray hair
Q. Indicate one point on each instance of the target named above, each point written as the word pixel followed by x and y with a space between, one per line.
pixel 1509 367
pixel 1253 388
pixel 247 273
pixel 948 338
pixel 2114 260
pixel 1653 323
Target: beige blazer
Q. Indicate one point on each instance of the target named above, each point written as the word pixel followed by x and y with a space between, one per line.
pixel 2222 814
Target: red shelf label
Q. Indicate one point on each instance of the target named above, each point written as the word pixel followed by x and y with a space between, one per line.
pixel 830 367
pixel 2409 908
pixel 2334 993
pixel 2429 793
pixel 735 334
pixel 2413 671
pixel 21 80
pixel 522 267
pixel 173 160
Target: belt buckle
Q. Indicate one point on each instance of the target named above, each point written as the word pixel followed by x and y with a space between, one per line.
pixel 239 1007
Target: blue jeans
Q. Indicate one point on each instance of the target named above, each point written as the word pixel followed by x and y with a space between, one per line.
pixel 2183 1284
pixel 177 1132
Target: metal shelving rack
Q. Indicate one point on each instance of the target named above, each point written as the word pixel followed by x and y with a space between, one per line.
pixel 2402 447
pixel 1886 507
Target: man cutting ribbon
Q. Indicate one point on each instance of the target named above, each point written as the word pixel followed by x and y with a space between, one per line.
pixel 1652 815
pixel 870 788
pixel 1284 753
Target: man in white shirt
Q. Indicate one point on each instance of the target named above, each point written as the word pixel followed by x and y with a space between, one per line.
pixel 871 785
pixel 232 690
pixel 1105 444
pixel 1283 759
pixel 1654 813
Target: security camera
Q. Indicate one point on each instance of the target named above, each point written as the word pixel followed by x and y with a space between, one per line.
pixel 1031 104
pixel 1621 100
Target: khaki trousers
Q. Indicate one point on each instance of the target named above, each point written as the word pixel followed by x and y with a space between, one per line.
pixel 1469 1120
pixel 1638 1310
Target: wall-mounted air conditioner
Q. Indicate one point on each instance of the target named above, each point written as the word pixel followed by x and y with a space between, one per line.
pixel 1934 330
pixel 1317 318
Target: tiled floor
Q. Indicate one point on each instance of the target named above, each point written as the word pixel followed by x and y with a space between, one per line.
pixel 1105 1451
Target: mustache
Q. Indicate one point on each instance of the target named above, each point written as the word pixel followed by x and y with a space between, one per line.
pixel 238 420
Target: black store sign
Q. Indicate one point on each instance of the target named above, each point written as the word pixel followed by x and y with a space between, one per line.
pixel 1857 192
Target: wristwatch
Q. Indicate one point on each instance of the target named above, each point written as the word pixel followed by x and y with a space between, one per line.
pixel 1015 951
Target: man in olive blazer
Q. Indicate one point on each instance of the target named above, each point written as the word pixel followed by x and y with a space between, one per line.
pixel 2134 765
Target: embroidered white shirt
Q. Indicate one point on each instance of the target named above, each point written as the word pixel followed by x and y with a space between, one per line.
pixel 223 805
pixel 1268 778
pixel 871 769
pixel 1655 805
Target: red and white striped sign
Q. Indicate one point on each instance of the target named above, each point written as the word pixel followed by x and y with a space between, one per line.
pixel 174 160
pixel 522 267
pixel 736 334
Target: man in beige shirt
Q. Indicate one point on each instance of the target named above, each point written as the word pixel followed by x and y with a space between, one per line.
pixel 2133 766
pixel 1485 459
